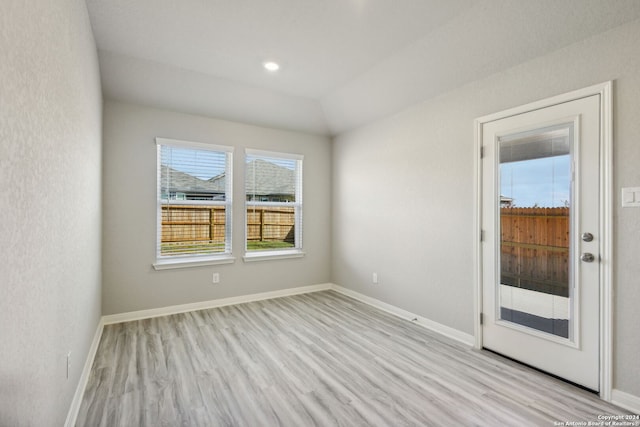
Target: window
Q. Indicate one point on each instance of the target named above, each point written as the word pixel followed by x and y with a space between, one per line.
pixel 273 190
pixel 194 204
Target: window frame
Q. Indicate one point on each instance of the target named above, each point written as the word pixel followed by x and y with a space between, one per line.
pixel 297 251
pixel 163 262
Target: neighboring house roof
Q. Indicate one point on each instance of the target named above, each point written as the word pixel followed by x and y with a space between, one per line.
pixel 185 183
pixel 506 201
pixel 262 178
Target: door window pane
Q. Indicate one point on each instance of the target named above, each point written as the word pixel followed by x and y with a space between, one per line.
pixel 535 217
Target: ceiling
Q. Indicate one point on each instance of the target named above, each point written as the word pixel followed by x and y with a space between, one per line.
pixel 343 62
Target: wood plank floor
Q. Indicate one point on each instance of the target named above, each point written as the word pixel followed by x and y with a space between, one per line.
pixel 319 359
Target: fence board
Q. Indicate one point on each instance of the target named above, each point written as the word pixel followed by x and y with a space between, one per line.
pixel 535 249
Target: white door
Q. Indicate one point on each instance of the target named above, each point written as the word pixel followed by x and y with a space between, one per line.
pixel 540 221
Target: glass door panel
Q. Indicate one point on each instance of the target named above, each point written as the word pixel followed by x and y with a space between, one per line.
pixel 535 182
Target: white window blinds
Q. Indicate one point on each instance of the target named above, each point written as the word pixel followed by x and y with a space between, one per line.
pixel 273 190
pixel 194 199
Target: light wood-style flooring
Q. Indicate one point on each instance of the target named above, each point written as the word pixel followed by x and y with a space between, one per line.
pixel 319 359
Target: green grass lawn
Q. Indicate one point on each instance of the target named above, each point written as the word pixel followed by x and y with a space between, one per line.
pixel 186 248
pixel 261 246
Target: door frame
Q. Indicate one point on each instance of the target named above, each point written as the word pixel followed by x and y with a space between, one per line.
pixel 605 90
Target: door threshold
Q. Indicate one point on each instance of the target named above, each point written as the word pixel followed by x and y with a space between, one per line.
pixel 564 380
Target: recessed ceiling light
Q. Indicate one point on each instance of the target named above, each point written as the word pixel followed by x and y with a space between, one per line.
pixel 271 66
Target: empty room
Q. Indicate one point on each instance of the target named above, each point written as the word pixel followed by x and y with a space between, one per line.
pixel 319 213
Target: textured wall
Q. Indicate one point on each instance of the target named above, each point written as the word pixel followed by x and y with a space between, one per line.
pixel 403 190
pixel 129 281
pixel 50 156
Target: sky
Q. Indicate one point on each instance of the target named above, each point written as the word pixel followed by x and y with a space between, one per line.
pixel 545 182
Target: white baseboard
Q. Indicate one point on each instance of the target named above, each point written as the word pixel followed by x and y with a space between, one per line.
pixel 183 308
pixel 202 305
pixel 626 400
pixel 72 415
pixel 422 321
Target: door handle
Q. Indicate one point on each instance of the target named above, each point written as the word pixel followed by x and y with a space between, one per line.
pixel 587 237
pixel 587 257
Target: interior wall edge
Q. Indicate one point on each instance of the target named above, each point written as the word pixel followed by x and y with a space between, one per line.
pixel 72 415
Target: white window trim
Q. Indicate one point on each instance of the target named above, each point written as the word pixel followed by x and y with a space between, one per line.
pixel 192 261
pixel 195 145
pixel 297 252
pixel 273 154
pixel 184 261
pixel 276 254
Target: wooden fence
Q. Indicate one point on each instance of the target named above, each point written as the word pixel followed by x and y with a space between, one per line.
pixel 535 249
pixel 193 223
pixel 271 224
pixel 197 223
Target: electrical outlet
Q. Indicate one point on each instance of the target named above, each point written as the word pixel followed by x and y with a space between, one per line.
pixel 68 364
pixel 374 278
pixel 216 278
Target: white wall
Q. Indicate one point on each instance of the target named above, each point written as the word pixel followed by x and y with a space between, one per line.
pixel 403 190
pixel 50 173
pixel 129 233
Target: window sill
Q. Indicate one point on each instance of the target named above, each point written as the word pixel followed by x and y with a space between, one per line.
pixel 268 255
pixel 170 264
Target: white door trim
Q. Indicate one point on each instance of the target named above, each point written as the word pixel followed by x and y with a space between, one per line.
pixel 605 90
